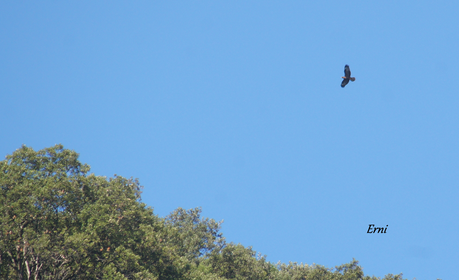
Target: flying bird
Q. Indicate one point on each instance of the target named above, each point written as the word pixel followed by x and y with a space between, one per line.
pixel 347 76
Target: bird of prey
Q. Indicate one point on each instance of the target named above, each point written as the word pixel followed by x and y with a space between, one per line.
pixel 347 76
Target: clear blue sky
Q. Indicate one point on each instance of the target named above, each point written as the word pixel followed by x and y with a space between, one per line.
pixel 236 106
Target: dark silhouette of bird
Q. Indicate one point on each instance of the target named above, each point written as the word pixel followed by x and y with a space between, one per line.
pixel 347 76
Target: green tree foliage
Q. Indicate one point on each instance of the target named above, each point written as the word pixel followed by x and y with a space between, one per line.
pixel 194 237
pixel 238 262
pixel 60 222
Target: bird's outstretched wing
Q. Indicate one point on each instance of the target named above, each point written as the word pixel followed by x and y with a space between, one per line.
pixel 347 71
pixel 344 82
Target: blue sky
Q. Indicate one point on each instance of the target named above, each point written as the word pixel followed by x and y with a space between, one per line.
pixel 236 107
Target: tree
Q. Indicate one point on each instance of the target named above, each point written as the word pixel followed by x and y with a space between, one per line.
pixel 61 223
pixel 194 237
pixel 237 262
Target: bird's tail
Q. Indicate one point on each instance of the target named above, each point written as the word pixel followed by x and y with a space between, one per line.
pixel 352 78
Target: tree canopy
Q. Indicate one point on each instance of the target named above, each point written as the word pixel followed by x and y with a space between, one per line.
pixel 60 222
